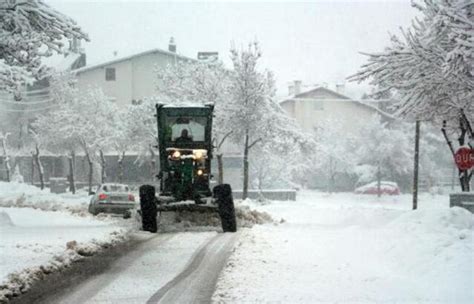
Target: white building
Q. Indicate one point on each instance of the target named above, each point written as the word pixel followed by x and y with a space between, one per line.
pixel 311 107
pixel 129 79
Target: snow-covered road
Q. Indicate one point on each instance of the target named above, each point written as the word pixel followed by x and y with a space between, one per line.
pixel 165 268
pixel 345 248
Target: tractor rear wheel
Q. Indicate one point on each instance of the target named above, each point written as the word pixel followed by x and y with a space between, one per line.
pixel 225 203
pixel 148 208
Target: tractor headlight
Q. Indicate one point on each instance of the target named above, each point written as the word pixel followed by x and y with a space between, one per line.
pixel 176 154
pixel 199 154
pixel 200 172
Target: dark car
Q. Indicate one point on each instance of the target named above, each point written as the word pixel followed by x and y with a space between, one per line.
pixel 112 198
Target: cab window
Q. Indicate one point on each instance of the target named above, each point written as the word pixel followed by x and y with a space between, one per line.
pixel 193 127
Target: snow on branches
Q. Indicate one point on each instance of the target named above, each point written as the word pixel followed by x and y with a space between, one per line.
pixel 257 118
pixel 431 66
pixel 30 30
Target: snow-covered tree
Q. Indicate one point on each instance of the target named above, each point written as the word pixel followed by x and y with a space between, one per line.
pixel 431 69
pixel 94 113
pixel 81 121
pixel 57 132
pixel 144 132
pixel 29 31
pixel 382 151
pixel 253 111
pixel 127 132
pixel 335 151
pixel 200 82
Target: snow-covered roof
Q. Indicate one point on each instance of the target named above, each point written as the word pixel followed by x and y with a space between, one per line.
pixel 61 63
pixel 114 61
pixel 187 105
pixel 67 63
pixel 339 98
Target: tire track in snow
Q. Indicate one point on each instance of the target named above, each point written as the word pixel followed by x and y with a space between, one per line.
pixel 55 287
pixel 197 282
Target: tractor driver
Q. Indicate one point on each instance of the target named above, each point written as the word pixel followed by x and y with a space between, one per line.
pixel 184 138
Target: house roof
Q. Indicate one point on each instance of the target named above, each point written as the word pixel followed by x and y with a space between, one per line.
pixel 111 62
pixel 338 98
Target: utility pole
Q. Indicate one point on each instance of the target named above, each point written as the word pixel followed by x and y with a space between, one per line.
pixel 416 165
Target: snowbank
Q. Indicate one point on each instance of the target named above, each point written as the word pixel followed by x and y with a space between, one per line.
pixel 19 282
pixel 344 248
pixel 23 195
pixel 35 243
pixel 5 220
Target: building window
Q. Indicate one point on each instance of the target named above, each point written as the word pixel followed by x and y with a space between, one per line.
pixel 110 74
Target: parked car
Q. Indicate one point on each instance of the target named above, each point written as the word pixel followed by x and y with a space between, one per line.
pixel 112 198
pixel 390 188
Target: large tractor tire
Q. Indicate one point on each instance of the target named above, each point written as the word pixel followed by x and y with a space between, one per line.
pixel 148 208
pixel 225 203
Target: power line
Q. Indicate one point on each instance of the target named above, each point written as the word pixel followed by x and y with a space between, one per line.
pixel 26 102
pixel 27 110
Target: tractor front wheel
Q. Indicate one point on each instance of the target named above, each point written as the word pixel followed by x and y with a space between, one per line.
pixel 148 208
pixel 225 203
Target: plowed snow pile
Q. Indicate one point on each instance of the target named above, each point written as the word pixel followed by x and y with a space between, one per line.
pixel 47 233
pixel 346 248
pixel 5 220
pixel 195 221
pixel 24 195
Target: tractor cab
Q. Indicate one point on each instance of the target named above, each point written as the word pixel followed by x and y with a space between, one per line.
pixel 185 146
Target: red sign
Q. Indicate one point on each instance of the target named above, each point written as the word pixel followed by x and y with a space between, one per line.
pixel 464 158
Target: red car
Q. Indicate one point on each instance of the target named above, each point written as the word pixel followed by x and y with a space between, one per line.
pixel 390 188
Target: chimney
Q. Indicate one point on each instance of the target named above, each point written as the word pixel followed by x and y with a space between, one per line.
pixel 291 90
pixel 297 86
pixel 172 45
pixel 340 88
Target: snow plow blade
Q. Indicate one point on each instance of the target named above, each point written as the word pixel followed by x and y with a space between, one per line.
pixel 191 207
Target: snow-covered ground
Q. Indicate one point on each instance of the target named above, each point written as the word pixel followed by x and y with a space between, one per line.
pixel 24 195
pixel 345 248
pixel 41 232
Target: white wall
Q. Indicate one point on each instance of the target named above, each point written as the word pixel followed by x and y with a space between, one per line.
pixel 315 106
pixel 134 78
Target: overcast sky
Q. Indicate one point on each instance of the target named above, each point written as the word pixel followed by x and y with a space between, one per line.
pixel 312 41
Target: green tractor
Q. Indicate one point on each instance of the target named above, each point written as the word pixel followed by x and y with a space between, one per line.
pixel 185 149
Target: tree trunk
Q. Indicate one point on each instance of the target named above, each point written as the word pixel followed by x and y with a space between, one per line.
pixel 32 169
pixel 6 157
pixel 465 180
pixel 416 165
pixel 120 163
pixel 72 161
pixel 332 176
pixel 379 181
pixel 39 166
pixel 20 136
pixel 103 164
pixel 91 171
pixel 220 159
pixel 246 167
pixel 220 169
